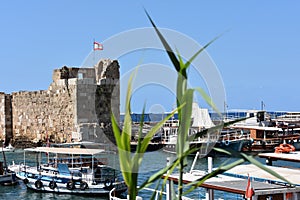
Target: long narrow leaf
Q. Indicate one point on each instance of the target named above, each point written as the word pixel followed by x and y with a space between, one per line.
pixel 154 130
pixel 215 128
pixel 158 175
pixel 208 100
pixel 182 141
pixel 141 130
pixel 167 47
pixel 263 167
pixel 188 63
pixel 214 173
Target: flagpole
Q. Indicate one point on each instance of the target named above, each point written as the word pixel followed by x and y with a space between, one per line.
pixel 94 52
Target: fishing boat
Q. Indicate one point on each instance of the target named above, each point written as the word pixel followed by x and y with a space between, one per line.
pixel 69 170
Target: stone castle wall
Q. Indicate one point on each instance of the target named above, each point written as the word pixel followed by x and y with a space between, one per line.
pixel 77 105
pixel 5 116
pixel 36 114
pixel 2 116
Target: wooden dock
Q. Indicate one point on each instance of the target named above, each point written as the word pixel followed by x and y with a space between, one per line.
pixel 257 174
pixel 291 157
pixel 264 184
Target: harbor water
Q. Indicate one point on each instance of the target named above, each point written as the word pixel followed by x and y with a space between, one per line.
pixel 152 162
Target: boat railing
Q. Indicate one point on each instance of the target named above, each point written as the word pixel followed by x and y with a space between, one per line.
pixel 235 136
pixel 22 167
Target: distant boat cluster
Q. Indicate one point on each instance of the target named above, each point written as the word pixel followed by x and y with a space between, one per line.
pixel 261 132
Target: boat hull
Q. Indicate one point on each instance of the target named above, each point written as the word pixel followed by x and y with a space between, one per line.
pixel 62 188
pixel 70 171
pixel 8 179
pixel 233 145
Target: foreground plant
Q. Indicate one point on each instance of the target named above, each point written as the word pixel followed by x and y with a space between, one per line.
pixel 129 163
pixel 184 97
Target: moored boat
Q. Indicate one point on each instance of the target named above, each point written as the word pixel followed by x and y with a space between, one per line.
pixel 266 133
pixel 69 170
pixel 7 148
pixel 7 177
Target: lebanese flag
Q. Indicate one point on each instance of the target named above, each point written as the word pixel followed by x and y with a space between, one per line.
pixel 98 46
pixel 249 190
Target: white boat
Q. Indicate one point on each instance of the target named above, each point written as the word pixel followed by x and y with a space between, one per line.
pixel 289 117
pixel 200 121
pixel 266 133
pixel 8 148
pixel 71 171
pixel 7 177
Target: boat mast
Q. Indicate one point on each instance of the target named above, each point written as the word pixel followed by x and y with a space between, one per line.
pixel 262 105
pixel 225 109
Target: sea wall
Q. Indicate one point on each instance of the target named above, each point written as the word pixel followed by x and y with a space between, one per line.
pixel 76 106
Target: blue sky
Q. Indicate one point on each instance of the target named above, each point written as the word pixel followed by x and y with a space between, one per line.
pixel 258 55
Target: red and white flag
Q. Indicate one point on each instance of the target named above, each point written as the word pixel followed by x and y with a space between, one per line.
pixel 98 46
pixel 249 190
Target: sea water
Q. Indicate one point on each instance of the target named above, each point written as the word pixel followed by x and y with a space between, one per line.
pixel 152 162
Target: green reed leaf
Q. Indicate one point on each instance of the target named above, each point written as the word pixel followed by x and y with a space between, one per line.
pixel 218 171
pixel 188 63
pixel 208 100
pixel 185 122
pixel 167 47
pixel 155 129
pixel 263 167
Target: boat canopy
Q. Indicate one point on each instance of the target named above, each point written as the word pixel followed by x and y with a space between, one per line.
pixel 74 151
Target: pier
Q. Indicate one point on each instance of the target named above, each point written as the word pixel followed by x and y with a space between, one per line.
pixel 270 157
pixel 235 180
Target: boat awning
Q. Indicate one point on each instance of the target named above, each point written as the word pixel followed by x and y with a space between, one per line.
pixel 74 151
